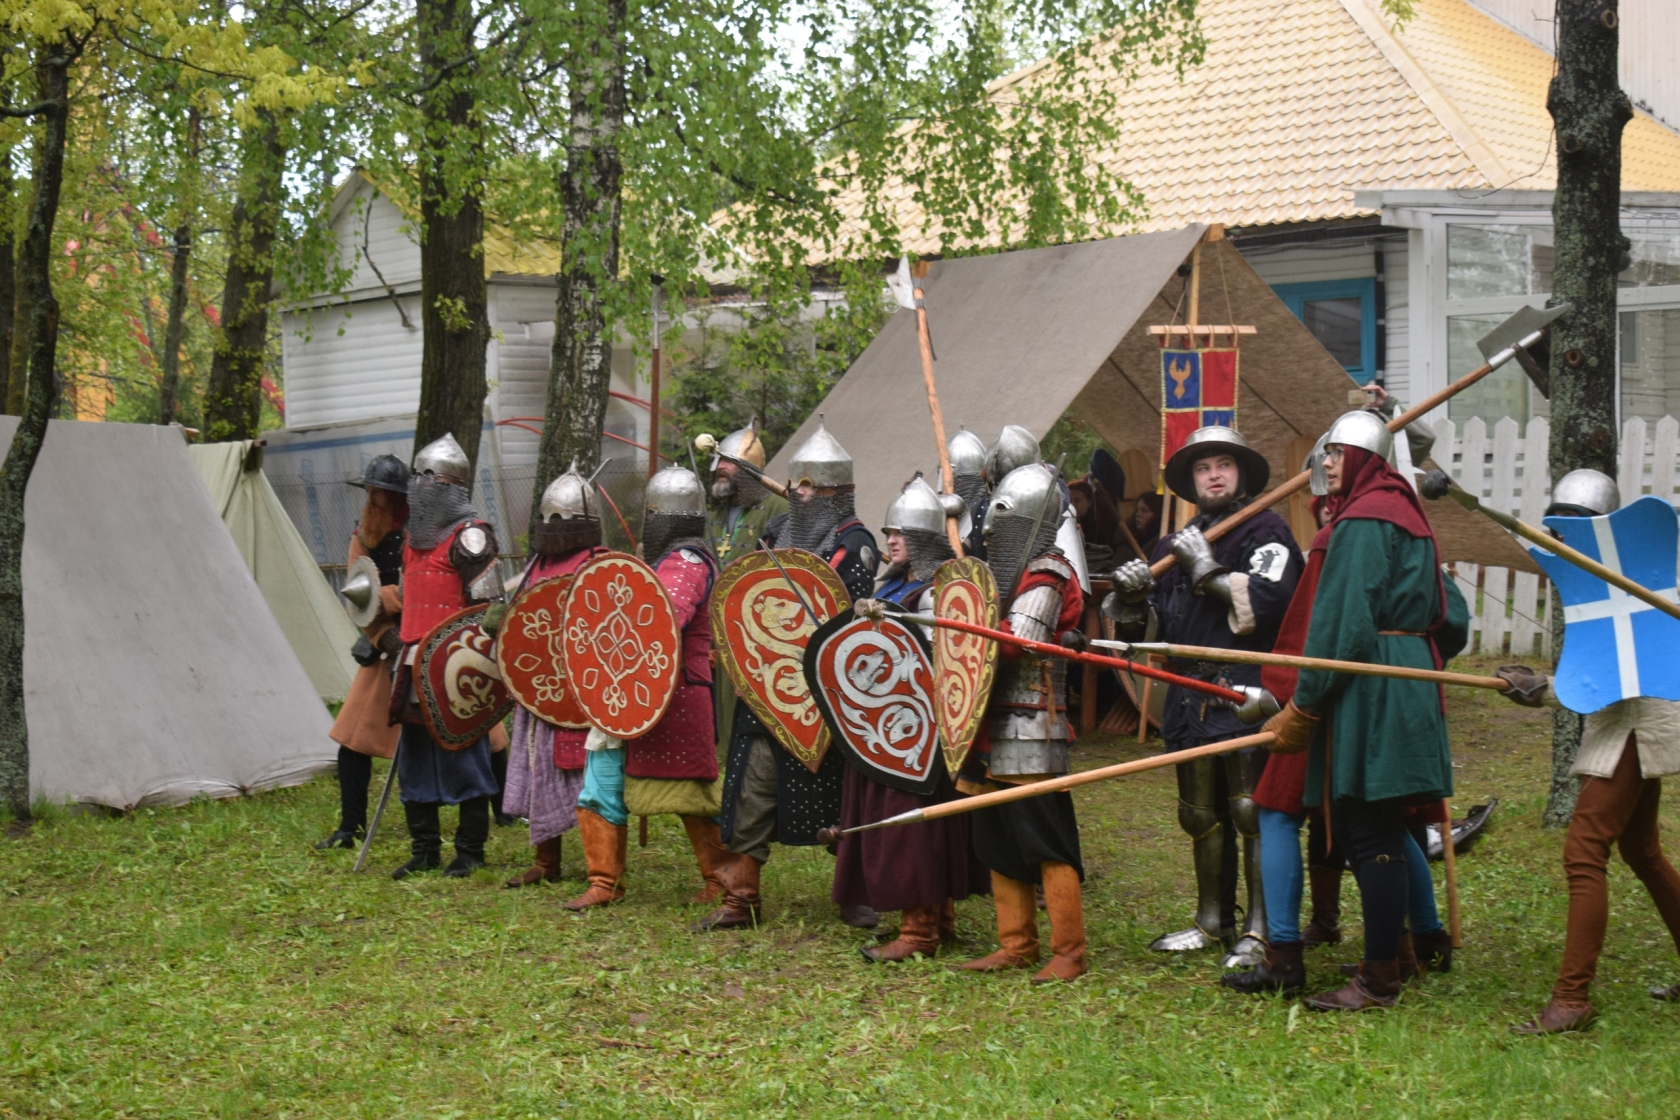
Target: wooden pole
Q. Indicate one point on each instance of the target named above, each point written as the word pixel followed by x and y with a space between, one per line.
pixel 1292 661
pixel 653 421
pixel 1449 857
pixel 1069 781
pixel 1277 493
pixel 947 480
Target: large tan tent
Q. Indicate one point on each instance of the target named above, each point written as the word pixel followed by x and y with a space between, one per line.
pixel 1024 337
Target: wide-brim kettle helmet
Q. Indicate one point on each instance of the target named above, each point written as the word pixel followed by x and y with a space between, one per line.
pixel 1584 493
pixel 743 443
pixel 821 461
pixel 383 472
pixel 1215 439
pixel 1364 429
pixel 444 458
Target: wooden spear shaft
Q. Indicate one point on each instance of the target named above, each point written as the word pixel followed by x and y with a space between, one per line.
pixel 948 480
pixel 1070 781
pixel 1449 860
pixel 1291 661
pixel 1279 493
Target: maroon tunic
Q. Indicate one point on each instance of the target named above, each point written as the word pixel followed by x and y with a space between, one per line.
pixel 683 745
pixel 908 865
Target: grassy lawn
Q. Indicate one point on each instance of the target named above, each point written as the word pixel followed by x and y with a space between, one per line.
pixel 206 962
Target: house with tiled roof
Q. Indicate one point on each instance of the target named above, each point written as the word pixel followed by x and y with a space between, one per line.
pixel 1393 185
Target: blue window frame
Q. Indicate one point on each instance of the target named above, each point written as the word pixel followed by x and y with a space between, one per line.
pixel 1329 309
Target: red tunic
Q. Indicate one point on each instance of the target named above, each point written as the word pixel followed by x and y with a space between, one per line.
pixel 683 745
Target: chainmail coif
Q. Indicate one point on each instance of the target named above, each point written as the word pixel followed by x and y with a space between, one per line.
pixel 927 551
pixel 811 521
pixel 661 530
pixel 434 508
pixel 1007 549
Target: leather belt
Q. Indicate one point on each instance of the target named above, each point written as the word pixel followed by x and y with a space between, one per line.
pixel 1401 634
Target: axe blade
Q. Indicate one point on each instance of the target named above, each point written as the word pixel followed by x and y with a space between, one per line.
pixel 1510 334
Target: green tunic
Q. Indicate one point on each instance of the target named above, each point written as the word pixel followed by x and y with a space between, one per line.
pixel 1387 738
pixel 732 545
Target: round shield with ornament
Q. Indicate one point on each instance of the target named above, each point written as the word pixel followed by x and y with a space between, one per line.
pixel 621 647
pixel 528 654
pixel 461 691
pixel 873 681
pixel 964 664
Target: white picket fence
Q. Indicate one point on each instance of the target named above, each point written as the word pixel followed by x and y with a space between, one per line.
pixel 1508 609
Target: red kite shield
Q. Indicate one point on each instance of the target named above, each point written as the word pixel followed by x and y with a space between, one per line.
pixel 762 629
pixel 622 650
pixel 528 653
pixel 461 691
pixel 963 664
pixel 873 682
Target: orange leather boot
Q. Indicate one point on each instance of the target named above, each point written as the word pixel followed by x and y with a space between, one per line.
pixel 1067 924
pixel 1017 918
pixel 706 839
pixel 605 851
pixel 918 932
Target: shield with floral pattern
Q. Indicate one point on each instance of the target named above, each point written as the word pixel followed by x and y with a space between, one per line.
pixel 622 650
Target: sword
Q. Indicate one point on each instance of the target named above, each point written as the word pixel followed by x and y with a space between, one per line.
pixel 1069 781
pixel 378 812
pixel 1436 484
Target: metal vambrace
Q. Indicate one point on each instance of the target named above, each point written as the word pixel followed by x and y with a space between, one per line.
pixel 1033 613
pixel 1216 585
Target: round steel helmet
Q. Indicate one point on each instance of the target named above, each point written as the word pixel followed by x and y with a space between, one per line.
pixel 1215 439
pixel 675 490
pixel 1022 494
pixel 443 458
pixel 1364 429
pixel 917 507
pixel 1584 493
pixel 568 496
pixel 821 461
pixel 968 454
pixel 1014 448
pixel 384 472
pixel 743 443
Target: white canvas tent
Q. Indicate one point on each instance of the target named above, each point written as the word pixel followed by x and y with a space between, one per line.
pixel 308 611
pixel 1023 337
pixel 154 671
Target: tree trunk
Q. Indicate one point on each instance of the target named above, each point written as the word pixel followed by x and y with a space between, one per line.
pixel 52 76
pixel 233 398
pixel 1588 112
pixel 170 390
pixel 454 301
pixel 580 369
pixel 8 277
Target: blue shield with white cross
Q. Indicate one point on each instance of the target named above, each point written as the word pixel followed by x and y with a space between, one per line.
pixel 1614 646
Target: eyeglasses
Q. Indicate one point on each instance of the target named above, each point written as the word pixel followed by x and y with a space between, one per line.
pixel 1333 453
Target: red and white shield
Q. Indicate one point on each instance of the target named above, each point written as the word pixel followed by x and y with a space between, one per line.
pixel 528 653
pixel 622 650
pixel 761 628
pixel 461 691
pixel 874 684
pixel 964 665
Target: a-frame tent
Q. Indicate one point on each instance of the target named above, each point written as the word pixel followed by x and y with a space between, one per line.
pixel 1023 337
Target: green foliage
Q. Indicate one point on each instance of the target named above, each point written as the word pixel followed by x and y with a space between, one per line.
pixel 204 961
pixel 1075 439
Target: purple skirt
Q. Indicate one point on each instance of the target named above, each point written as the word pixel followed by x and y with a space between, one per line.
pixel 910 865
pixel 538 790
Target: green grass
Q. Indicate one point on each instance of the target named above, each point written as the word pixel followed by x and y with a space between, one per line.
pixel 206 962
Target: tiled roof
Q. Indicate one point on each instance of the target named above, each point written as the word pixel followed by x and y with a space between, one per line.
pixel 1299 103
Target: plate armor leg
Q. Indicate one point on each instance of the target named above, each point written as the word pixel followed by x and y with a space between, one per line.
pixel 1242 775
pixel 1199 817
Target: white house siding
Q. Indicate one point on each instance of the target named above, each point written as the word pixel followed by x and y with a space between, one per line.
pixel 351 362
pixel 372 232
pixel 1314 262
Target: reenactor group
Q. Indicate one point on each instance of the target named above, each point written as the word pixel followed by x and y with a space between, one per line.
pixel 1362 762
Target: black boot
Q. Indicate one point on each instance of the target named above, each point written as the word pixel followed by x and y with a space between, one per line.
pixel 425 838
pixel 339 839
pixel 355 771
pixel 1434 950
pixel 498 767
pixel 1282 971
pixel 470 835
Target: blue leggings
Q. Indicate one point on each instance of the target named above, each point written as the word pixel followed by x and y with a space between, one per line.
pixel 1281 878
pixel 603 786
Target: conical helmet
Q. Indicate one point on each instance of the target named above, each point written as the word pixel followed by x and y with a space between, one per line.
pixel 675 490
pixel 1014 448
pixel 821 461
pixel 918 507
pixel 968 454
pixel 569 496
pixel 743 443
pixel 444 458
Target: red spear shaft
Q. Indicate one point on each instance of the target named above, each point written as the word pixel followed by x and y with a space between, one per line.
pixel 1059 651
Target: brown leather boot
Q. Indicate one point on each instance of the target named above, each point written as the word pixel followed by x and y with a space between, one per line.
pixel 1325 927
pixel 605 850
pixel 948 923
pixel 1017 919
pixel 1376 985
pixel 918 932
pixel 1067 924
pixel 741 905
pixel 1558 1017
pixel 1434 950
pixel 1283 971
pixel 707 841
pixel 1410 969
pixel 546 869
pixel 1666 993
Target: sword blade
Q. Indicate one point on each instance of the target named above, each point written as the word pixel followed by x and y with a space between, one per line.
pixel 378 812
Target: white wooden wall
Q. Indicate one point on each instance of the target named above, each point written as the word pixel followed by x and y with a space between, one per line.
pixel 1506 468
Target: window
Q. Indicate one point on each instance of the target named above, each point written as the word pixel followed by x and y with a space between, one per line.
pixel 1342 315
pixel 1498 260
pixel 1650 361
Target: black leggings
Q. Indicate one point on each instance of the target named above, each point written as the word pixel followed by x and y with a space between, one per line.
pixel 355 771
pixel 1373 836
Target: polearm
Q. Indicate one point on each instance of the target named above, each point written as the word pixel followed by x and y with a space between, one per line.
pixel 1070 781
pixel 1528 315
pixel 1046 649
pixel 908 292
pixel 1436 484
pixel 1293 661
pixel 378 812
